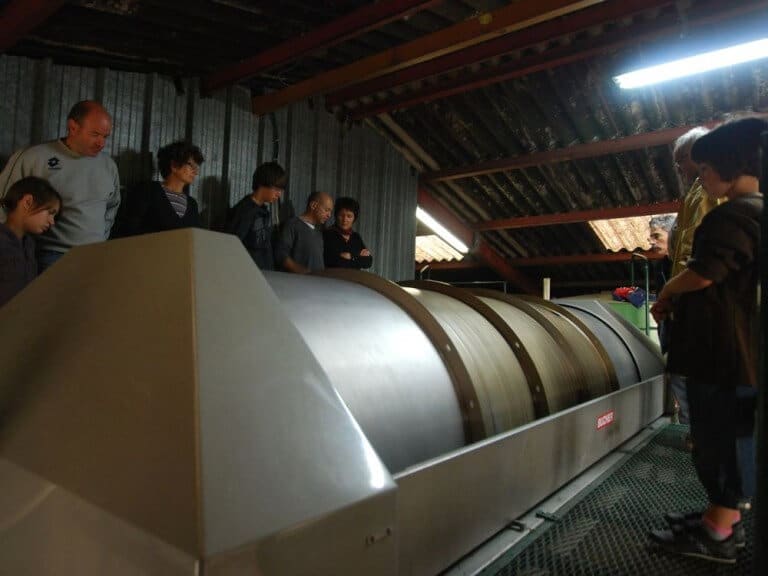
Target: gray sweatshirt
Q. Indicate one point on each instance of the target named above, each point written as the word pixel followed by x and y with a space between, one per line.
pixel 89 188
pixel 302 242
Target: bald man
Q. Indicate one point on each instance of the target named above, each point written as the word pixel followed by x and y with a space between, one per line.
pixel 299 248
pixel 84 175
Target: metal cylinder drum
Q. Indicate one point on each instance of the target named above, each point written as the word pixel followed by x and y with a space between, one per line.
pixel 426 368
pixel 499 380
pixel 559 379
pixel 633 355
pixel 382 364
pixel 589 356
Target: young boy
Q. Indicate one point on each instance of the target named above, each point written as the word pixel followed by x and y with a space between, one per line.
pixel 251 218
pixel 31 206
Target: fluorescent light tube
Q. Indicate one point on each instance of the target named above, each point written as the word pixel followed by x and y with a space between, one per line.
pixel 440 230
pixel 694 64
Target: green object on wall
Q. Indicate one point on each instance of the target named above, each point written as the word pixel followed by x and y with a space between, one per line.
pixel 637 317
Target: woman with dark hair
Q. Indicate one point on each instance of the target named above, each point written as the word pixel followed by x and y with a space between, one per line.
pixel 342 246
pixel 714 341
pixel 165 205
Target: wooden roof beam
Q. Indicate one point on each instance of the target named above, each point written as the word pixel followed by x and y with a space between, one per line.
pixel 578 216
pixel 349 26
pixel 20 17
pixel 510 18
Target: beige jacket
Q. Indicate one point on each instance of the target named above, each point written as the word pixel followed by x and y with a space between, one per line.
pixel 696 205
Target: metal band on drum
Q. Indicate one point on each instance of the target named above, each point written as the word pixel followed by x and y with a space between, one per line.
pixel 619 336
pixel 533 378
pixel 462 383
pixel 582 390
pixel 594 340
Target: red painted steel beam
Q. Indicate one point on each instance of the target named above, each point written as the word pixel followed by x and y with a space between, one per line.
pixel 593 16
pixel 579 216
pixel 450 265
pixel 546 61
pixel 340 30
pixel 446 217
pixel 505 268
pixel 507 19
pixel 543 261
pixel 602 283
pixel 472 81
pixel 20 17
pixel 480 249
pixel 568 154
pixel 583 259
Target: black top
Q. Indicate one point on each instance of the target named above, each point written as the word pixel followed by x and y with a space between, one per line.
pixel 17 263
pixel 252 223
pixel 147 209
pixel 715 329
pixel 335 244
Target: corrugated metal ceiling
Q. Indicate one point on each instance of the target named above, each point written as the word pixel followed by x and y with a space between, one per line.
pixel 571 100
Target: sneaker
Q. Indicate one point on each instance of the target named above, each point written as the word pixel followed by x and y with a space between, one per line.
pixel 690 520
pixel 696 543
pixel 666 535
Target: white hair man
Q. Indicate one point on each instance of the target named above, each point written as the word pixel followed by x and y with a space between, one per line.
pixel 696 204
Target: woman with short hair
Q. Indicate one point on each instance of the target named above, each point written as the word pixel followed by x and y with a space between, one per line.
pixel 165 205
pixel 342 246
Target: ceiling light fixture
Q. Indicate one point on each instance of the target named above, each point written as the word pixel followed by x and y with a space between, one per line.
pixel 692 65
pixel 440 230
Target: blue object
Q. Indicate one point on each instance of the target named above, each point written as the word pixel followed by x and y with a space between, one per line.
pixel 637 297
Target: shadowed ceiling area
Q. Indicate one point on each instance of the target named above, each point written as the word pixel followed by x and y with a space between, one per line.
pixel 508 110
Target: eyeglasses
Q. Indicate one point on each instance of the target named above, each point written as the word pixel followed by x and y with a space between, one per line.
pixel 193 166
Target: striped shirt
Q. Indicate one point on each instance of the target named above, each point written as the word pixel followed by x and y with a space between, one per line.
pixel 178 202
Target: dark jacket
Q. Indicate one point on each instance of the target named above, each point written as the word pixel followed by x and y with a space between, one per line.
pixel 715 329
pixel 17 263
pixel 334 245
pixel 252 223
pixel 147 209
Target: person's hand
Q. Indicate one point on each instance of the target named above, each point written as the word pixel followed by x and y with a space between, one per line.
pixel 346 255
pixel 365 252
pixel 661 309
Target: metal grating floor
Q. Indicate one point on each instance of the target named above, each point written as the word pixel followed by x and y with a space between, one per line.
pixel 604 532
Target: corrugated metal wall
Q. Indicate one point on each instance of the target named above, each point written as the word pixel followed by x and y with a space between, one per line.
pixel 150 111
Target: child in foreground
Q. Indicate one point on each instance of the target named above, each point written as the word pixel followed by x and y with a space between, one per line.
pixel 31 206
